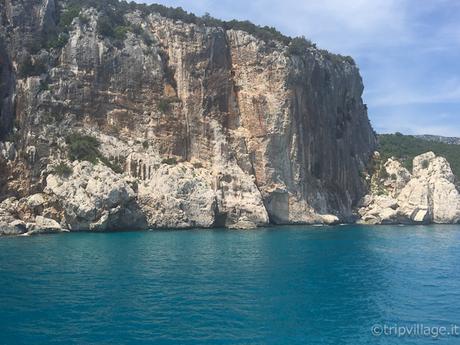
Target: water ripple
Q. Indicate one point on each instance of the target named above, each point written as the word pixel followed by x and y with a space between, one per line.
pixel 293 285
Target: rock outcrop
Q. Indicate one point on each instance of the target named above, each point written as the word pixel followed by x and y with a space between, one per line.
pixel 93 197
pixel 178 197
pixel 9 220
pixel 25 217
pixel 43 225
pixel 428 195
pixel 198 125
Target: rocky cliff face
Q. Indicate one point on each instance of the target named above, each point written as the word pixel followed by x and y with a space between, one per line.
pixel 428 195
pixel 196 125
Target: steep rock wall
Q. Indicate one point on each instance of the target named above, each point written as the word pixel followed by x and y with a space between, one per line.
pixel 275 136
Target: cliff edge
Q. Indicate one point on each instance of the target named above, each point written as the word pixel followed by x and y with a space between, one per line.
pixel 137 120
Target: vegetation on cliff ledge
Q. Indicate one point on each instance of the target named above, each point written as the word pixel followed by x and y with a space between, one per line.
pixel 406 147
pixel 86 148
pixel 62 170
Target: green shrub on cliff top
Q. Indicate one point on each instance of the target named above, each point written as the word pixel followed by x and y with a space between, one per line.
pixel 299 46
pixel 112 23
pixel 115 10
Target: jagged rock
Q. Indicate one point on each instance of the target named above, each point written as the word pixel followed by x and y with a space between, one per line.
pixel 9 205
pixel 420 216
pixel 36 200
pixel 243 224
pixel 9 222
pixel 398 177
pixel 301 171
pixel 43 225
pixel 95 198
pixel 388 216
pixel 46 224
pixel 429 195
pixel 240 203
pixel 280 137
pixel 178 196
pixel 379 209
pixel 330 219
pixel 30 207
pixel 11 226
pixel 181 196
pixel 8 151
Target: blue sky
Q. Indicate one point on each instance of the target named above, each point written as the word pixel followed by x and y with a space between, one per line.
pixel 408 51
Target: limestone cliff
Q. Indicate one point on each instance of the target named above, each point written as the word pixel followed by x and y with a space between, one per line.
pixel 193 125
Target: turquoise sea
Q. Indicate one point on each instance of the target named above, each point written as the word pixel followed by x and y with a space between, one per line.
pixel 286 285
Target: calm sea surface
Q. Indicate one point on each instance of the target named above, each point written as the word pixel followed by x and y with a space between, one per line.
pixel 289 285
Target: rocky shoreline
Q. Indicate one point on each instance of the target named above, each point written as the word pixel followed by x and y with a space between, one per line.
pixel 94 198
pixel 167 123
pixel 117 117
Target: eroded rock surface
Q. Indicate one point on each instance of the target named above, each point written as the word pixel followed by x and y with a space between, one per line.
pixel 206 126
pixel 428 195
pixel 93 197
pixel 9 222
pixel 178 197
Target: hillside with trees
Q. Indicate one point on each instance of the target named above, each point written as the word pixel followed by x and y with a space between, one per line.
pixel 406 147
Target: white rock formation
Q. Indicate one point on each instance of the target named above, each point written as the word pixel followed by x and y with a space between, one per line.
pixel 429 195
pixel 183 196
pixel 240 203
pixel 9 223
pixel 398 177
pixel 95 198
pixel 178 196
pixel 379 209
pixel 43 225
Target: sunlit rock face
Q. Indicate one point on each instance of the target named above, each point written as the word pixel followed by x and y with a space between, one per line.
pixel 211 127
pixel 428 195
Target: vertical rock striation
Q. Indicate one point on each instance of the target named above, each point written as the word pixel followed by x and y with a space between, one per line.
pixel 214 127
